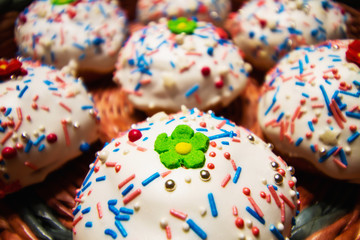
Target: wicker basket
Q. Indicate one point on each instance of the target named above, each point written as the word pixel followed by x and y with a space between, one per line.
pixel 329 209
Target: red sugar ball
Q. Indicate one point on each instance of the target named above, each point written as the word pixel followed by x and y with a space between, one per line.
pixel 205 71
pixel 134 135
pixel 8 152
pixel 51 138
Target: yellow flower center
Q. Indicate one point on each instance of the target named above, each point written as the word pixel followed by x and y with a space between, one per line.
pixel 3 66
pixel 181 25
pixel 183 148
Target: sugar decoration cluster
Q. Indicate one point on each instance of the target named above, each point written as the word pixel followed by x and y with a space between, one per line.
pixel 129 192
pixel 26 114
pixel 85 34
pixel 268 29
pixel 311 101
pixel 180 62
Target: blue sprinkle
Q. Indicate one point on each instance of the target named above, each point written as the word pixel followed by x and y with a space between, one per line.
pixel 82 56
pixel 300 83
pixel 343 157
pixel 144 129
pixel 131 62
pixel 225 143
pixel 28 146
pixel 311 126
pixel 196 229
pixel 201 129
pixel 121 228
pixel 122 217
pixel 305 95
pixel 127 189
pixel 86 107
pixel 145 138
pixel 77 45
pixel 53 89
pixel 298 141
pixel 170 121
pixel 86 210
pixel 314 32
pixel 113 209
pixel 89 175
pixel 126 210
pixel 39 139
pixel 326 98
pixel 353 137
pixel 251 34
pixel 276 232
pixel 353 114
pixel 23 91
pixel 328 154
pixel 102 10
pixel 312 147
pixel 237 175
pixel 88 224
pixel 191 90
pixel 48 82
pixel 255 215
pixel 41 147
pixel 86 186
pixel 111 233
pixel 84 147
pixel 210 51
pixel 102 178
pixel 150 179
pixel 280 117
pixel 213 209
pixel 112 202
pixel 76 210
pixel 172 64
pixel 97 41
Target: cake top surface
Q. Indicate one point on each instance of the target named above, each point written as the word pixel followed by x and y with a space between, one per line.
pixel 46 119
pixel 181 62
pixel 190 175
pixel 310 107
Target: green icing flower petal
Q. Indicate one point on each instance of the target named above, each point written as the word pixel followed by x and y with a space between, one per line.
pixel 195 159
pixel 200 142
pixel 170 159
pixel 166 147
pixel 182 25
pixel 163 143
pixel 182 133
pixel 61 2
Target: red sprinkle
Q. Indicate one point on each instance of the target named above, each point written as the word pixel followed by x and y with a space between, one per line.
pixel 203 124
pixel 353 128
pixel 8 152
pixel 291 184
pixel 227 155
pixel 51 138
pixel 219 84
pixel 211 166
pixel 213 144
pixel 212 154
pixel 246 191
pixel 205 71
pixel 239 222
pixel 262 194
pixel 134 135
pixel 255 231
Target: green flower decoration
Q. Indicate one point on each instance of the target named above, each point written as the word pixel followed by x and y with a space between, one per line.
pixel 182 25
pixel 182 148
pixel 61 2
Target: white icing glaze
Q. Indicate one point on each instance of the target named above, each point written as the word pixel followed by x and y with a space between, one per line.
pixel 215 11
pixel 150 216
pixel 35 106
pixel 161 70
pixel 309 127
pixel 266 29
pixel 88 33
